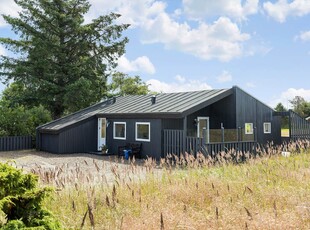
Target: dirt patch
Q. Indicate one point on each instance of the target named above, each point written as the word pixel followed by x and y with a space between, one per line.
pixel 70 169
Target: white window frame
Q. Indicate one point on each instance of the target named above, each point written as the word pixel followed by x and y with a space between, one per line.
pixel 143 123
pixel 114 133
pixel 269 127
pixel 251 131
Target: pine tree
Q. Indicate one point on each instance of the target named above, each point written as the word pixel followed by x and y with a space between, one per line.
pixel 62 62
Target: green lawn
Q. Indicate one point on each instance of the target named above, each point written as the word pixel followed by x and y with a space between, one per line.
pixel 285 132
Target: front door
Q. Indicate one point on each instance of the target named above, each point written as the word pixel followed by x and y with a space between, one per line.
pixel 203 128
pixel 102 132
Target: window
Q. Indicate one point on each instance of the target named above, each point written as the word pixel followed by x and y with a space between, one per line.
pixel 267 127
pixel 119 130
pixel 248 128
pixel 143 131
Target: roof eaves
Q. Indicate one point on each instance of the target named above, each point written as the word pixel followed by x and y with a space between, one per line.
pixel 63 128
pixel 72 114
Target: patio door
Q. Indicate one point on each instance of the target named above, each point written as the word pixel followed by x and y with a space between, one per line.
pixel 203 128
pixel 102 132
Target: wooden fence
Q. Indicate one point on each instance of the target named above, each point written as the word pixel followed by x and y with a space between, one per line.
pixel 299 127
pixel 15 143
pixel 175 142
pixel 243 146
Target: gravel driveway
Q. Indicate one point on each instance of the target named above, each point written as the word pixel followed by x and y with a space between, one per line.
pixel 71 169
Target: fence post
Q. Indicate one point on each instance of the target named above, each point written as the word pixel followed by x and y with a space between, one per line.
pixel 184 147
pixel 290 124
pixel 204 138
pixel 239 137
pixel 223 137
pixel 255 140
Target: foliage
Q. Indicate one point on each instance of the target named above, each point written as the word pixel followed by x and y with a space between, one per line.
pixel 123 85
pixel 280 108
pixel 285 119
pixel 21 201
pixel 60 60
pixel 300 106
pixel 17 119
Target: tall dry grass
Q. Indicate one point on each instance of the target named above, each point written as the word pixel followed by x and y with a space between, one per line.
pixel 266 191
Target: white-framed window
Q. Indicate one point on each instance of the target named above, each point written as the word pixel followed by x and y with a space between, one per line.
pixel 267 127
pixel 119 130
pixel 143 131
pixel 248 128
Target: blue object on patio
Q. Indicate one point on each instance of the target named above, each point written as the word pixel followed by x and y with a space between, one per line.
pixel 127 152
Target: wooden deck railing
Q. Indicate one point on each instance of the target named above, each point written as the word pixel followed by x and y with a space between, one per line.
pixel 175 142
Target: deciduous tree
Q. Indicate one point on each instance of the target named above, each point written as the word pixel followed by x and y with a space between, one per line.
pixel 16 118
pixel 122 85
pixel 300 106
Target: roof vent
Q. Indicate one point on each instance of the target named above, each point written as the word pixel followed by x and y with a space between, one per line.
pixel 153 99
pixel 113 100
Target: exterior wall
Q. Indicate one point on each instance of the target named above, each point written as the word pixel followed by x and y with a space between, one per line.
pixel 172 124
pixel 49 142
pixel 151 149
pixel 79 138
pixel 250 110
pixel 223 111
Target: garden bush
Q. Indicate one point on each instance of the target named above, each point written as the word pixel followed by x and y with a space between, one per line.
pixel 21 201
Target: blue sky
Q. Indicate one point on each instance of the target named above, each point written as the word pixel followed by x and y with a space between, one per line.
pixel 261 46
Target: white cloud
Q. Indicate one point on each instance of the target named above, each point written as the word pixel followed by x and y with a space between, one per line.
pixel 281 9
pixel 221 40
pixel 8 7
pixel 304 36
pixel 238 9
pixel 289 94
pixel 224 77
pixel 181 85
pixel 140 64
pixel 135 13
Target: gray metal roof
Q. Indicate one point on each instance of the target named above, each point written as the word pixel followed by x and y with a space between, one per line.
pixel 166 105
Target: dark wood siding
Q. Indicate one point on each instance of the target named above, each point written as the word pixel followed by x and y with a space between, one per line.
pixel 222 111
pixel 172 124
pixel 80 138
pixel 250 110
pixel 49 142
pixel 151 149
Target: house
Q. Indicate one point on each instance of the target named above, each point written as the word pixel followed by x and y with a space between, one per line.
pixel 143 119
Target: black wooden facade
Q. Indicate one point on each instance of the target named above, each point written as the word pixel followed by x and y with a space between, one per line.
pixel 230 108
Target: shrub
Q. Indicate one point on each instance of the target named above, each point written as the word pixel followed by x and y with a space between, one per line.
pixel 21 201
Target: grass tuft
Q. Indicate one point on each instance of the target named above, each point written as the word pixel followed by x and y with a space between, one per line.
pixel 232 191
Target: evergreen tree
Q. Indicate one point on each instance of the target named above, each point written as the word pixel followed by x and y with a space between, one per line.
pixel 284 120
pixel 21 200
pixel 61 61
pixel 280 108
